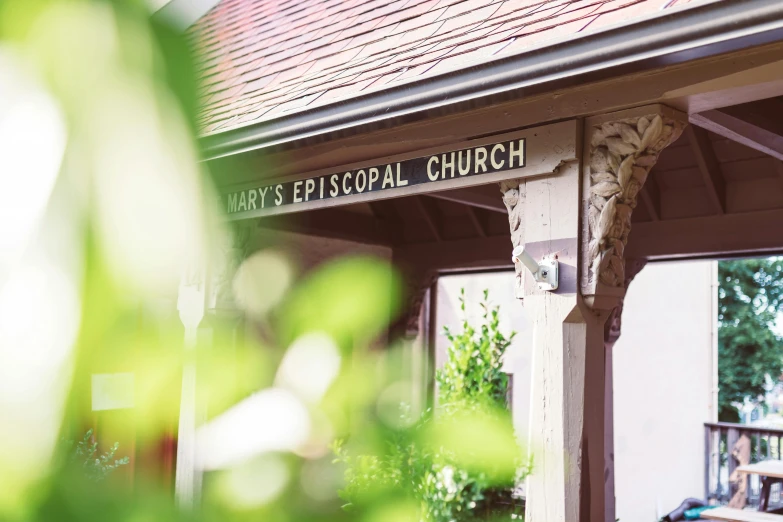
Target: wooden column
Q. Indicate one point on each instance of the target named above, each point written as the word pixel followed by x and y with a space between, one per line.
pixel 566 411
pixel 581 213
pixel 620 149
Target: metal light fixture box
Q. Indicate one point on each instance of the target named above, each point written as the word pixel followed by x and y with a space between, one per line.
pixel 545 272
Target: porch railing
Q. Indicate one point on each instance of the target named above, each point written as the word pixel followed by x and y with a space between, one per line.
pixel 719 438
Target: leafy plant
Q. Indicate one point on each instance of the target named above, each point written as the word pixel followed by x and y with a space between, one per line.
pixel 461 461
pixel 472 374
pixel 96 466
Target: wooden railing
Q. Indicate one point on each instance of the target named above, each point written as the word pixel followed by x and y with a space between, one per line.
pixel 719 438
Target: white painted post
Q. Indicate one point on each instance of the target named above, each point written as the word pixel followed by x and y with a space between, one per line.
pixel 202 291
pixel 191 306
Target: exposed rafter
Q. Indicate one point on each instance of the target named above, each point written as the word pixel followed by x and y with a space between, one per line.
pixel 386 211
pixel 473 199
pixel 651 197
pixel 745 125
pixel 709 166
pixel 474 218
pixel 430 214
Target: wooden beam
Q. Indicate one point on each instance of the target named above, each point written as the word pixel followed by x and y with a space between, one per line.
pixel 335 224
pixel 473 199
pixel 708 166
pixel 430 214
pixel 651 198
pixel 749 129
pixel 748 233
pixel 474 218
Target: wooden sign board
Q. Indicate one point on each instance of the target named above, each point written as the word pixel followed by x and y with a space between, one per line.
pixel 530 152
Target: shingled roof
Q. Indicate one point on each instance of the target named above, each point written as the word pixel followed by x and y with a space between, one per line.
pixel 264 59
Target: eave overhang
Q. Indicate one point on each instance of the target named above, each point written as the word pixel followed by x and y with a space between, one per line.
pixel 665 39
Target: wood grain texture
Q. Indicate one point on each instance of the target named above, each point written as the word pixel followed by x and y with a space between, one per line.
pixel 740 515
pixel 567 405
pixel 766 468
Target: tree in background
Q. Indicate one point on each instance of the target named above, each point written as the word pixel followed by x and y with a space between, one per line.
pixel 750 297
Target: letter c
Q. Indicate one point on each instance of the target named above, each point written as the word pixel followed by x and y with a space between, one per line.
pixel 346 189
pixel 433 176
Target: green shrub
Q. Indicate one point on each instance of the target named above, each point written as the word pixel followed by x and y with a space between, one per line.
pixel 461 461
pixel 472 374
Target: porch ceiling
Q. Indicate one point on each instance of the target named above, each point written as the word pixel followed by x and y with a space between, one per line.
pixel 718 190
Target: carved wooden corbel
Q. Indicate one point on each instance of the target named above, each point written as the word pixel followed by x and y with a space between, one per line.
pixel 620 148
pixel 613 327
pixel 513 191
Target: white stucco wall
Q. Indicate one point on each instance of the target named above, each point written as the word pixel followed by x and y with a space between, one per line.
pixel 663 377
pixel 663 384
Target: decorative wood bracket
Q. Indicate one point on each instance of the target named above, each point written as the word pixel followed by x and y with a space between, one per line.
pixel 620 148
pixel 513 191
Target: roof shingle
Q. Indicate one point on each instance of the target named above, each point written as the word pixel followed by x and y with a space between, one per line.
pixel 262 59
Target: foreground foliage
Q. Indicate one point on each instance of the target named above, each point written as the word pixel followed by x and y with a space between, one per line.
pixel 95 465
pixel 113 229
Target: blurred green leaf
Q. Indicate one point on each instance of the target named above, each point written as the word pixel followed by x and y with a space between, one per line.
pixel 350 299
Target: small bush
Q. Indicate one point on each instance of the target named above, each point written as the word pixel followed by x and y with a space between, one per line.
pixel 461 461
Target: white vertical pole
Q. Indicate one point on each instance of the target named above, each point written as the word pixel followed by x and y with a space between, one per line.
pixel 191 304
